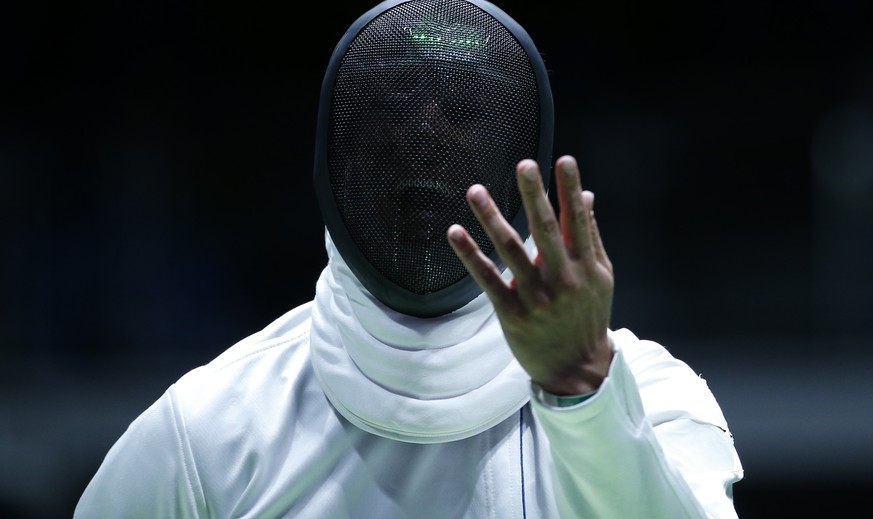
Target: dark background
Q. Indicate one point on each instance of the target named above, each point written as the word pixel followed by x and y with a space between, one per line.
pixel 156 206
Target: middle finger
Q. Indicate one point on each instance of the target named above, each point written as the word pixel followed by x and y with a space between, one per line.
pixel 543 224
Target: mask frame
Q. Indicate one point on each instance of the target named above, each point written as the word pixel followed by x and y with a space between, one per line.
pixel 460 293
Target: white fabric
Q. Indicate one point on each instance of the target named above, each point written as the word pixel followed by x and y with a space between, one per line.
pixel 251 435
pixel 674 456
pixel 420 380
pixel 254 433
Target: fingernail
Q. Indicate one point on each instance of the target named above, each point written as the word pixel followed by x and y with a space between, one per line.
pixel 569 168
pixel 478 196
pixel 455 232
pixel 529 173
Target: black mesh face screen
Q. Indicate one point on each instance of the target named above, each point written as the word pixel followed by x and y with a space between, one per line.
pixel 420 100
pixel 430 97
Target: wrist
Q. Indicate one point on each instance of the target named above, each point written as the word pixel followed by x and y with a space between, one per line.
pixel 554 400
pixel 582 378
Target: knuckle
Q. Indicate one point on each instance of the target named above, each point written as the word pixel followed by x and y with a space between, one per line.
pixel 508 243
pixel 517 252
pixel 569 281
pixel 548 226
pixel 486 272
pixel 578 212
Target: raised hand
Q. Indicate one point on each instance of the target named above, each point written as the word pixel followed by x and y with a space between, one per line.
pixel 555 311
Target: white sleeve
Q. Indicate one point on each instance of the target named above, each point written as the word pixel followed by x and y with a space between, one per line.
pixel 652 442
pixel 148 472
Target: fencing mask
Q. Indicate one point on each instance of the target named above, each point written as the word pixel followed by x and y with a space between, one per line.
pixel 421 99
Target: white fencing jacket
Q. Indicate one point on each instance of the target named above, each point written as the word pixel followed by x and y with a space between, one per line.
pixel 343 409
